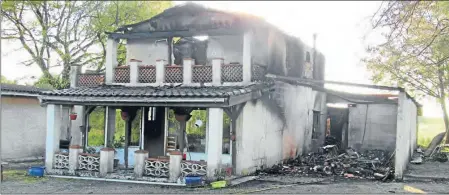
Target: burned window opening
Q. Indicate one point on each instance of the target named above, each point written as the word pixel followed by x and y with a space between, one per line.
pixel 316 124
pixel 190 47
pixel 308 57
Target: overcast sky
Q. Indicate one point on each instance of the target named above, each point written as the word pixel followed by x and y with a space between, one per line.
pixel 340 25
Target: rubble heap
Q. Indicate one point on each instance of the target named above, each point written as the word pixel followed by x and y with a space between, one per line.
pixel 330 161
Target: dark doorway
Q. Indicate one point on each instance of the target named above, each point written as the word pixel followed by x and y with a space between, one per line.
pixel 153 119
pixel 339 118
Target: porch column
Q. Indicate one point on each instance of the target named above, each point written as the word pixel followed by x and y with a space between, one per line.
pixel 109 125
pixel 111 60
pixel 53 134
pixel 215 140
pixel 77 137
pixel 247 39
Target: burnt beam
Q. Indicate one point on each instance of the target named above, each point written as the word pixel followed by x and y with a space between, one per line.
pixel 179 33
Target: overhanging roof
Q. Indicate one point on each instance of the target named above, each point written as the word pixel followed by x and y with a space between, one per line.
pixel 20 90
pixel 344 97
pixel 111 95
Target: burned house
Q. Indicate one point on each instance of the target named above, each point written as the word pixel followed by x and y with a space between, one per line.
pixel 185 59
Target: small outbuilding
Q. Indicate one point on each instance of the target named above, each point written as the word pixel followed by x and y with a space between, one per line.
pixel 23 123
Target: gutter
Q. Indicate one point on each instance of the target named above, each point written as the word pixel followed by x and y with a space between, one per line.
pixel 19 94
pixel 130 100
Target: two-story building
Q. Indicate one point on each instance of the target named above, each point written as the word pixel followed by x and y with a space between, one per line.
pixel 193 58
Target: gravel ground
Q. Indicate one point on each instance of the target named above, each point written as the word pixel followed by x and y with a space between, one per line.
pixel 15 181
pixel 429 169
pixel 64 186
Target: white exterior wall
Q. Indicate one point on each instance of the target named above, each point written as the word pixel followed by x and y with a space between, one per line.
pixel 228 47
pixel 23 127
pixel 262 137
pixel 259 138
pixel 380 132
pixel 299 106
pixel 406 134
pixel 146 50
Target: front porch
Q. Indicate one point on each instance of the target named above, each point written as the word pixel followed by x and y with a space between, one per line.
pixel 156 148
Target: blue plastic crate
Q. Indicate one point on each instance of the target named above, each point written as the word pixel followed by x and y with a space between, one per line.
pixel 36 171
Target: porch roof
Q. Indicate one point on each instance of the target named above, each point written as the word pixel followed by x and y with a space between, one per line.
pixel 110 95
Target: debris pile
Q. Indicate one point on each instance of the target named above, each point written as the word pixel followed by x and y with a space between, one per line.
pixel 330 161
pixel 437 154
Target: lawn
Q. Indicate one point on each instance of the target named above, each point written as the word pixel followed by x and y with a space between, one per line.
pixel 429 128
pixel 20 175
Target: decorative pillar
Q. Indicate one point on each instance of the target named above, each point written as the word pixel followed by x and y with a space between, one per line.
pixel 53 134
pixel 175 165
pixel 247 39
pixel 139 162
pixel 215 141
pixel 134 71
pixel 109 125
pixel 106 161
pixel 160 72
pixel 74 151
pixel 216 71
pixel 74 72
pixel 111 60
pixel 187 70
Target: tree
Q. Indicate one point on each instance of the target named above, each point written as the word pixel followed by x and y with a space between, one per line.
pixel 4 80
pixel 68 33
pixel 415 54
pixel 119 13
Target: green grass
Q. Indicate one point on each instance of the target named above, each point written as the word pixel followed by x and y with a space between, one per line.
pixel 20 175
pixel 428 128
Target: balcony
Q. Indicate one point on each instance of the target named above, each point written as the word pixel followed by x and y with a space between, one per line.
pixel 190 74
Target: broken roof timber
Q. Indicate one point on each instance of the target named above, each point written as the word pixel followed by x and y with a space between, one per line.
pixel 182 33
pixel 311 82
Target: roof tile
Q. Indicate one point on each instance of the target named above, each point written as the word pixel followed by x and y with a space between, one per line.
pixel 177 91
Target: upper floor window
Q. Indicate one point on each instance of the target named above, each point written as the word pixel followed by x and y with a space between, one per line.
pixel 308 57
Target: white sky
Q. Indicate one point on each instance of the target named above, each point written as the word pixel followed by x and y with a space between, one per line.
pixel 340 25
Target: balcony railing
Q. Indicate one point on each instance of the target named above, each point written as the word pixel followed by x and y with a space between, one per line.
pixel 232 73
pixel 173 74
pixel 201 74
pixel 122 74
pixel 189 73
pixel 91 79
pixel 147 74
